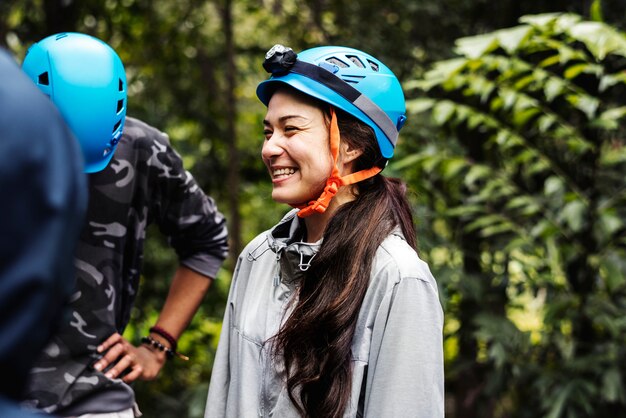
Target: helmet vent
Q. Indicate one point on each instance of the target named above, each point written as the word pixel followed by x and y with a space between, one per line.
pixel 354 79
pixel 43 79
pixel 120 105
pixel 373 65
pixel 117 125
pixel 120 86
pixel 336 61
pixel 356 61
pixel 61 36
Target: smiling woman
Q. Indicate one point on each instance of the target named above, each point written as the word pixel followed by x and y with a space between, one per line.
pixel 296 148
pixel 331 313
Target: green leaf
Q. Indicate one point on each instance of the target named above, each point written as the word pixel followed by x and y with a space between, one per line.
pixel 523 117
pixel 452 167
pixel 595 11
pixel 553 185
pixel 561 400
pixel 550 61
pixel 502 137
pixel 586 104
pixel 599 38
pixel 509 97
pixel 523 205
pixel 496 104
pixel 499 354
pixel 613 156
pixel 476 173
pixel 476 46
pixel 496 229
pixel 545 122
pixel 511 39
pixel 460 211
pixel 573 213
pixel 566 21
pixel 484 222
pixel 420 105
pixel 447 68
pixel 424 85
pixel 442 112
pixel 475 120
pixel 575 70
pixel 543 229
pixel 609 80
pixel 609 119
pixel 614 270
pixel 540 20
pixel 408 161
pixel 610 222
pixel 523 82
pixel 553 88
pixel 567 54
pixel 612 389
pixel 578 145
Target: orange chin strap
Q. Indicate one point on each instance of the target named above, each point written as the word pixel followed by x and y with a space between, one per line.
pixel 334 182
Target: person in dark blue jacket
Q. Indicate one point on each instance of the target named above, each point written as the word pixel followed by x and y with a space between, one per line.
pixel 44 200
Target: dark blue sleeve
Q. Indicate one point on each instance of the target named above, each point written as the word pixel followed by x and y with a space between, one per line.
pixel 43 202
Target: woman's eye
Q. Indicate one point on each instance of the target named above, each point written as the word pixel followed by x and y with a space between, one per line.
pixel 267 133
pixel 290 128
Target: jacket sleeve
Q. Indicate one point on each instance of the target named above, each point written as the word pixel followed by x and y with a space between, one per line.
pixel 405 371
pixel 185 214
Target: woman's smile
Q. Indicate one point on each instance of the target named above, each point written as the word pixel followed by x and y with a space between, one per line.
pixel 282 173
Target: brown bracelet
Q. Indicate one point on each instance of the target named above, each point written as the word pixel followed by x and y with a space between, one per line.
pixel 169 353
pixel 170 339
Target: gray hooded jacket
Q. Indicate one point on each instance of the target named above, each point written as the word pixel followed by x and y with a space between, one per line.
pixel 397 348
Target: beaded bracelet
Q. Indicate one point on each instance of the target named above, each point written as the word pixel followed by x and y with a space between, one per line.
pixel 160 331
pixel 169 353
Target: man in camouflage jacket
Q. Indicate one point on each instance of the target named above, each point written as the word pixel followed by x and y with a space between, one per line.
pixel 87 366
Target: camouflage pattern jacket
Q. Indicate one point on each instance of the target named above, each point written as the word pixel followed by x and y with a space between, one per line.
pixel 145 183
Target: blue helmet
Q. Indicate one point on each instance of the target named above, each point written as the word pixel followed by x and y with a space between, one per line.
pixel 85 79
pixel 346 78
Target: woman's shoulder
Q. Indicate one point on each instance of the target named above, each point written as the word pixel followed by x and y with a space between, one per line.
pixel 257 243
pixel 397 260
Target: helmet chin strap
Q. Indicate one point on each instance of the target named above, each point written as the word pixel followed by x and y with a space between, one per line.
pixel 334 182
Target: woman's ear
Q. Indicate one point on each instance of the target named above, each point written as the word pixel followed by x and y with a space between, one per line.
pixel 347 155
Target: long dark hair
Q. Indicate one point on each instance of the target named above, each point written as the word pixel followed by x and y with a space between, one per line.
pixel 316 339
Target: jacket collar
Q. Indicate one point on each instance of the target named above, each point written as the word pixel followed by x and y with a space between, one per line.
pixel 286 241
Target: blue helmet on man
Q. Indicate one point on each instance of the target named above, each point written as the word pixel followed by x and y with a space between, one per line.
pixel 85 79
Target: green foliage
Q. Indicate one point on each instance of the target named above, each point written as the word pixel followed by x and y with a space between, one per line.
pixel 496 177
pixel 529 170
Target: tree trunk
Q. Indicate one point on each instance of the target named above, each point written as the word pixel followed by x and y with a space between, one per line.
pixel 234 223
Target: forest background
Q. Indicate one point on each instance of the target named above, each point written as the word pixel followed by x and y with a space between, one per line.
pixel 514 150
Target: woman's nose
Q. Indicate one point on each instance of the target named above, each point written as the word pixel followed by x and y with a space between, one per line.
pixel 272 146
